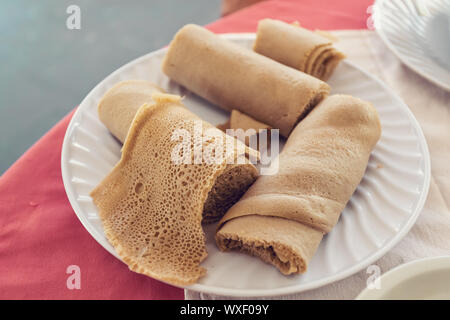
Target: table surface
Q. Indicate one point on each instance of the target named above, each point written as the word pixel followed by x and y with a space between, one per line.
pixel 47 69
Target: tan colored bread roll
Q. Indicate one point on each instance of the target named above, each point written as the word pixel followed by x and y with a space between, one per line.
pixel 297 47
pixel 233 77
pixel 119 105
pixel 239 120
pixel 320 167
pixel 152 207
pixel 117 110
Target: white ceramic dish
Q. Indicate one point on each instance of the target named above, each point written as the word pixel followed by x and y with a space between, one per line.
pixel 379 214
pixel 418 32
pixel 426 279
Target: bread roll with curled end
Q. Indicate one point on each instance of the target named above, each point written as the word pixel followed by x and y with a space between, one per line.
pixel 282 217
pixel 120 104
pixel 117 109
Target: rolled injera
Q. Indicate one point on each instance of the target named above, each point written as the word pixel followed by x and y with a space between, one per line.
pixel 297 47
pixel 234 77
pixel 240 121
pixel 117 109
pixel 119 105
pixel 282 217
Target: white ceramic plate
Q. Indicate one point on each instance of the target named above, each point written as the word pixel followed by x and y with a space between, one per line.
pixel 425 279
pixel 418 32
pixel 379 214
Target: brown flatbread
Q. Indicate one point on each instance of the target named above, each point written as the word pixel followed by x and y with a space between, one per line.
pixel 312 59
pixel 119 105
pixel 239 120
pixel 325 64
pixel 320 167
pixel 233 77
pixel 297 47
pixel 152 207
pixel 297 43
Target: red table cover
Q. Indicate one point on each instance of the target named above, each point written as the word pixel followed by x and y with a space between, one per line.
pixel 40 235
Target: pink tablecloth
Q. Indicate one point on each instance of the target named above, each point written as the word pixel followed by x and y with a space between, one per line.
pixel 40 235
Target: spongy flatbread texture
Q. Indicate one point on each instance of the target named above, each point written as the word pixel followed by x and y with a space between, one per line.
pixel 150 206
pixel 320 166
pixel 234 77
pixel 287 244
pixel 119 105
pixel 239 120
pixel 297 47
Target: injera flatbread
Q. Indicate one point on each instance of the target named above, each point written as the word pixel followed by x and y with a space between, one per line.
pixel 239 120
pixel 234 77
pixel 118 107
pixel 320 167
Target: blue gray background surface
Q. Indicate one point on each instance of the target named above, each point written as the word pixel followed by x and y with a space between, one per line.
pixel 47 69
